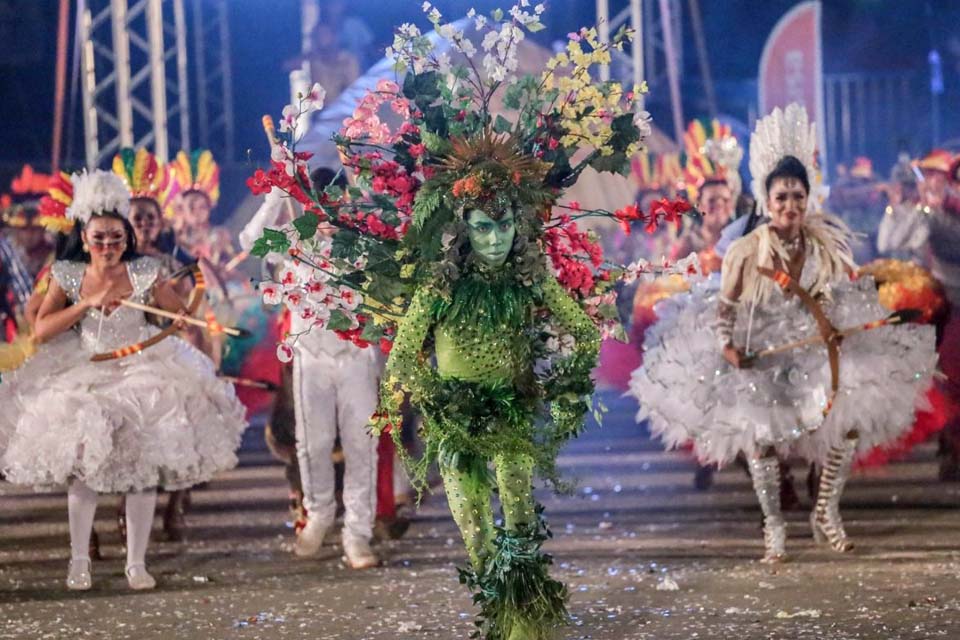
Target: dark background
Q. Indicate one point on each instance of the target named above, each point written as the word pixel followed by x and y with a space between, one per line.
pixel 863 36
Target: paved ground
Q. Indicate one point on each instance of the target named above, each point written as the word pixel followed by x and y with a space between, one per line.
pixel 644 554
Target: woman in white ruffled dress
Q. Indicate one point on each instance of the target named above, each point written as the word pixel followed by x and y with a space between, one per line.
pixel 159 418
pixel 699 384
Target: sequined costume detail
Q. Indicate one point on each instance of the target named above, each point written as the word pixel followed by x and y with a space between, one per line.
pixel 158 418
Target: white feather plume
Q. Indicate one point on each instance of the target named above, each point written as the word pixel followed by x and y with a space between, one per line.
pixel 786 132
pixel 96 192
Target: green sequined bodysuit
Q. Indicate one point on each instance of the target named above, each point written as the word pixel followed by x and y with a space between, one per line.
pixel 473 353
pixel 477 354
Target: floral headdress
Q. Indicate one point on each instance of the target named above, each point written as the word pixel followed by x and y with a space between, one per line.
pixel 489 172
pixel 712 155
pixel 96 192
pixel 401 218
pixel 19 207
pixel 144 176
pixel 197 172
pixel 786 132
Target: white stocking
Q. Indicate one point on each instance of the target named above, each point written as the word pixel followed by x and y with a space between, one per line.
pixel 140 508
pixel 81 508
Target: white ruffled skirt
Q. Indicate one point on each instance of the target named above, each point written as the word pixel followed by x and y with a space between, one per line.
pixel 160 418
pixel 689 394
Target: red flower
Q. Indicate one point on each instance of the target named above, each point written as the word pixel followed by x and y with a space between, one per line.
pixel 670 211
pixel 401 183
pixel 408 128
pixel 353 335
pixel 258 183
pixel 469 186
pixel 651 226
pixel 629 212
pixel 576 258
pixel 417 150
pixel 385 346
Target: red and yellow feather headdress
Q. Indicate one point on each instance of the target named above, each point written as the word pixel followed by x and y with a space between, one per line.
pixel 197 172
pixel 53 206
pixel 653 172
pixel 18 208
pixel 144 176
pixel 712 154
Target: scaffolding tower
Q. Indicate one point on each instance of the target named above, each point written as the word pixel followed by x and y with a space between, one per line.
pixel 214 79
pixel 135 77
pixel 657 52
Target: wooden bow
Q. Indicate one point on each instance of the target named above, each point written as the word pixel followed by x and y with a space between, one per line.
pixel 829 334
pixel 193 303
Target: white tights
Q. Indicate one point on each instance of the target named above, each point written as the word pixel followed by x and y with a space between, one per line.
pixel 81 507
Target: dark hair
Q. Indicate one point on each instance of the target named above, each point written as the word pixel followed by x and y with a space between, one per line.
pixel 714 182
pixel 324 176
pixel 60 246
pixel 166 241
pixel 206 196
pixel 156 205
pixel 789 167
pixel 73 246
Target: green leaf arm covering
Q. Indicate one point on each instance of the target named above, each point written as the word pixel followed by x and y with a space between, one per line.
pixel 571 382
pixel 408 369
pixel 573 318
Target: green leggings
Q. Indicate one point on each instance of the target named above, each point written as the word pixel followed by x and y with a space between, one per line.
pixel 468 494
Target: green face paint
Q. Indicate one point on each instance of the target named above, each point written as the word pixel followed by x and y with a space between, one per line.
pixel 491 239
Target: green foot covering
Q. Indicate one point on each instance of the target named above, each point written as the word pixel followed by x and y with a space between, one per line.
pixel 518 599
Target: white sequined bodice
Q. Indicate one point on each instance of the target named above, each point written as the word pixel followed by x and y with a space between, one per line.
pixel 123 326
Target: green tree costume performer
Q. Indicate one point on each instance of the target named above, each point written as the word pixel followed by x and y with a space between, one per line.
pixel 481 401
pixel 452 253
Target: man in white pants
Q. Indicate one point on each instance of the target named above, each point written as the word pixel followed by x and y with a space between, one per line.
pixel 335 386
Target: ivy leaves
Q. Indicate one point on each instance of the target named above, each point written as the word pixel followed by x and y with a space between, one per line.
pixel 272 241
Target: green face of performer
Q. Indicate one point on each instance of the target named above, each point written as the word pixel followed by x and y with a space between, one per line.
pixel 491 239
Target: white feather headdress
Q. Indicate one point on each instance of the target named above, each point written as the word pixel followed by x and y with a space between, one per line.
pixel 97 192
pixel 783 133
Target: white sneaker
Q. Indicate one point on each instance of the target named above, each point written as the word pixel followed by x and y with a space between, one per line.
pixel 310 538
pixel 138 578
pixel 78 575
pixel 358 554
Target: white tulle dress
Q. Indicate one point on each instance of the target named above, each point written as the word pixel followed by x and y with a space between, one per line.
pixel 160 418
pixel 689 394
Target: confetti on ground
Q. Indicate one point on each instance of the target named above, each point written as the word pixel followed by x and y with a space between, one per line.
pixel 804 613
pixel 236 579
pixel 667 584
